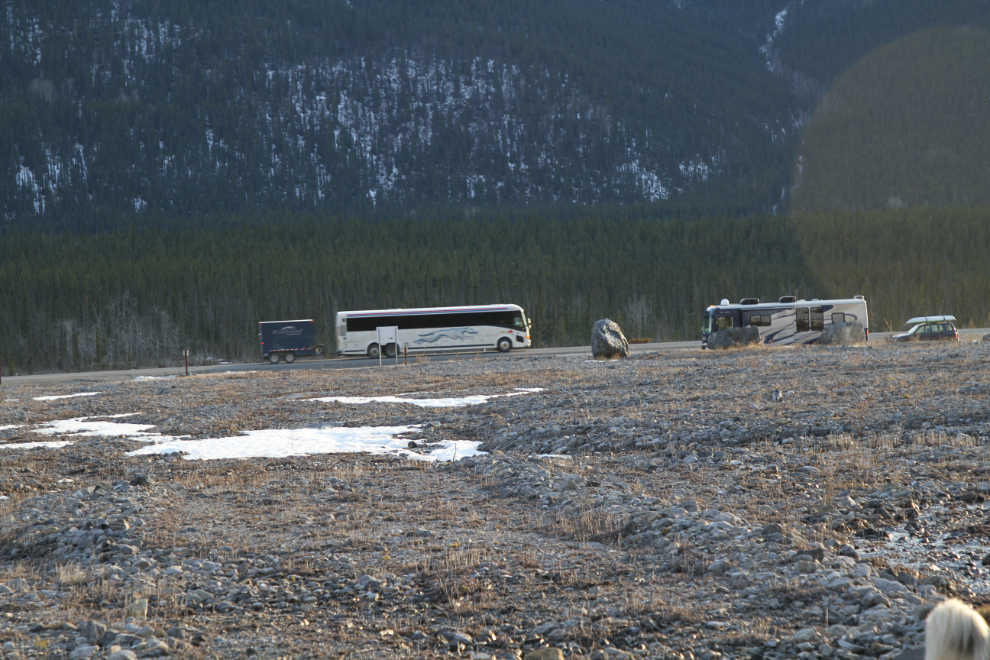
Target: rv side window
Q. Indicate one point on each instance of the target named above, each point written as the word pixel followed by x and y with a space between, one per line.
pixel 762 320
pixel 801 319
pixel 723 322
pixel 838 317
pixel 817 319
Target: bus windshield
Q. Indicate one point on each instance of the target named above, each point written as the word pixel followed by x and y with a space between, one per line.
pixel 518 321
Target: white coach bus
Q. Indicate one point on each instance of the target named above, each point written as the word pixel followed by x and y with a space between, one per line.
pixel 788 321
pixel 434 329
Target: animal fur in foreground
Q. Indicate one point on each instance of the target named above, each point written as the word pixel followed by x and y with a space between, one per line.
pixel 955 631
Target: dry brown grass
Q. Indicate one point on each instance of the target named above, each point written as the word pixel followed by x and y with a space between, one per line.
pixel 543 565
pixel 587 525
pixel 71 575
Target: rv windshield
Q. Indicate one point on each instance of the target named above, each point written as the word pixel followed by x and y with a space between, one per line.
pixel 706 324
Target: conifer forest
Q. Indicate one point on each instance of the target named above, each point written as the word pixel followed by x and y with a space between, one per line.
pixel 172 173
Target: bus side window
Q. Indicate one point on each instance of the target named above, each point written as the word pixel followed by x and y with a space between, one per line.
pixel 838 317
pixel 801 319
pixel 817 319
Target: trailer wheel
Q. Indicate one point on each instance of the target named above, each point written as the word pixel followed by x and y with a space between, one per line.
pixel 319 350
pixel 373 351
pixel 273 358
pixel 290 357
pixel 504 344
pixel 390 350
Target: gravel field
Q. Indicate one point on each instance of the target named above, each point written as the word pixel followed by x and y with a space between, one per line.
pixel 754 503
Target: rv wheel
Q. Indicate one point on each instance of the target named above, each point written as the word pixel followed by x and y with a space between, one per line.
pixel 273 358
pixel 319 350
pixel 290 357
pixel 373 351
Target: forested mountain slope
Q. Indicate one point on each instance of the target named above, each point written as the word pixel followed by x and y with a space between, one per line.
pixel 140 106
pixel 906 126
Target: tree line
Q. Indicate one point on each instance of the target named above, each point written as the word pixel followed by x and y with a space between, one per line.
pixel 909 262
pixel 137 297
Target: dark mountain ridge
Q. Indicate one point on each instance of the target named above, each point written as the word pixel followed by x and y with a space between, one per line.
pixel 174 108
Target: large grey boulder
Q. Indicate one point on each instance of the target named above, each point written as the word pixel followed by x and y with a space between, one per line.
pixel 734 337
pixel 607 340
pixel 844 334
pixel 986 338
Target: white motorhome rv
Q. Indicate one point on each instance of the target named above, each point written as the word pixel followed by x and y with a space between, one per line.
pixel 788 321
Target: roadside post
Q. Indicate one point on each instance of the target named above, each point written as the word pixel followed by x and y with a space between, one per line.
pixel 185 355
pixel 387 335
pixel 405 356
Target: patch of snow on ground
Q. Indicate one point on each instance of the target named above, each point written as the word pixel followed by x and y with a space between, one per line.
pixel 83 426
pixel 450 402
pixel 10 426
pixel 64 396
pixel 140 378
pixel 55 444
pixel 280 443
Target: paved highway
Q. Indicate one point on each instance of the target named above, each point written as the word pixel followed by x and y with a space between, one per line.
pixel 330 363
pixel 353 362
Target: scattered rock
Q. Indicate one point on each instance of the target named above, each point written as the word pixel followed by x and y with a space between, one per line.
pixel 666 463
pixel 123 654
pixel 844 334
pixel 83 652
pixel 734 337
pixel 607 341
pixel 138 609
pixel 93 630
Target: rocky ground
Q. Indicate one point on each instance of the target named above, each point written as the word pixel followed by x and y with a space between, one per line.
pixel 755 503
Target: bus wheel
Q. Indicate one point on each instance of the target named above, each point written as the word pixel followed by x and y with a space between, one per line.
pixel 504 344
pixel 390 350
pixel 273 358
pixel 373 352
pixel 290 357
pixel 319 350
